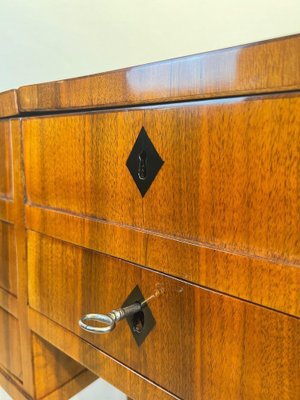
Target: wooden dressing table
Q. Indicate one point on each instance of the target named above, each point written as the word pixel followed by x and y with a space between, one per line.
pixel 172 188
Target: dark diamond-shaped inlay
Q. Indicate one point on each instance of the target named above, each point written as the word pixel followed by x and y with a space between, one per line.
pixel 144 162
pixel 146 316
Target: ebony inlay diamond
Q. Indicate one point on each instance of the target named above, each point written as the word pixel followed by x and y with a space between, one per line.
pixel 144 162
pixel 140 324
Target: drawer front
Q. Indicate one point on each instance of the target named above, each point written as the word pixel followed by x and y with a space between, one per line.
pixel 230 176
pixel 8 263
pixel 204 345
pixel 10 350
pixel 93 169
pixel 5 160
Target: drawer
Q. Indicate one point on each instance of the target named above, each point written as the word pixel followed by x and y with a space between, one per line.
pixel 8 263
pixel 229 178
pixel 203 345
pixel 5 160
pixel 10 349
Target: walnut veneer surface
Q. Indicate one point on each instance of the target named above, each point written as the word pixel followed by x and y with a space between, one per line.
pixel 264 67
pixel 218 228
pixel 204 344
pixel 9 103
pixel 21 375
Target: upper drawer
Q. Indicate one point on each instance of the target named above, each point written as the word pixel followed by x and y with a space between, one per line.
pixel 230 176
pixel 5 160
pixel 204 345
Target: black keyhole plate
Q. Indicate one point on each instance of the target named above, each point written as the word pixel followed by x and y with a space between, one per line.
pixel 141 323
pixel 144 162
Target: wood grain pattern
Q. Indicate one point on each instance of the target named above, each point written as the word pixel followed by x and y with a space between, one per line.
pixel 224 213
pixel 8 103
pixel 123 378
pixel 30 380
pixel 109 142
pixel 8 262
pixel 269 283
pixel 269 66
pixel 13 268
pixel 235 202
pixel 18 219
pixel 230 177
pixel 9 303
pixel 17 356
pixel 5 160
pixel 10 349
pixel 53 369
pixel 6 210
pixel 205 345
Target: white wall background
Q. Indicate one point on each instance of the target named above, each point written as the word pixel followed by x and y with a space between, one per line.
pixel 42 40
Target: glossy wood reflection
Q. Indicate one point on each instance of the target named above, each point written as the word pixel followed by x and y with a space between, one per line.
pixel 270 283
pixel 230 177
pixel 217 233
pixel 16 361
pixel 269 66
pixel 89 162
pixel 230 346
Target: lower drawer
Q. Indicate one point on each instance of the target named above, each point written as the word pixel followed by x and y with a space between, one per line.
pixel 10 349
pixel 204 345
